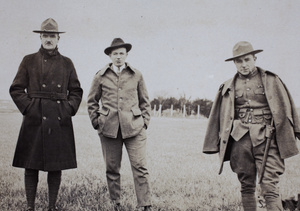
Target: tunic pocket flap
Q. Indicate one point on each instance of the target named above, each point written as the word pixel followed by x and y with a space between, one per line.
pixel 259 91
pixel 136 111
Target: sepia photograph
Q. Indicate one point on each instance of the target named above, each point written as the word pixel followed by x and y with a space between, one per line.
pixel 142 105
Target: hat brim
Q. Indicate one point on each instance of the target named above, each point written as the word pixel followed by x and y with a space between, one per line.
pixel 49 32
pixel 244 54
pixel 108 50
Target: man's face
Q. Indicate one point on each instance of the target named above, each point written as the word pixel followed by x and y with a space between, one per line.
pixel 49 40
pixel 245 64
pixel 118 56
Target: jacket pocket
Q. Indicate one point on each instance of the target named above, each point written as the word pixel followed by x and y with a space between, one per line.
pixel 68 107
pixel 260 90
pixel 28 109
pixel 137 119
pixel 239 94
pixel 103 113
pixel 136 111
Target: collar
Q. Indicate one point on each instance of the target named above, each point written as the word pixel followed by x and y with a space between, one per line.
pixel 250 75
pixel 109 66
pixel 48 53
pixel 229 84
pixel 115 68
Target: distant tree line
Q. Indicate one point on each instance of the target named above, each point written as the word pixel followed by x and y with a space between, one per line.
pixel 191 106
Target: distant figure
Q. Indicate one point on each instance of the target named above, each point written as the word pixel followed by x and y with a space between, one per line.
pixel 253 116
pixel 47 92
pixel 122 118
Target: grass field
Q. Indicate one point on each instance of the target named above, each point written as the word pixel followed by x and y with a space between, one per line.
pixel 182 177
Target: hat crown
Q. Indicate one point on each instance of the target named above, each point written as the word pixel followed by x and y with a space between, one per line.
pixel 48 26
pixel 117 42
pixel 242 48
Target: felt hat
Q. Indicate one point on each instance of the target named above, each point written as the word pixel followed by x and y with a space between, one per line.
pixel 241 49
pixel 49 26
pixel 117 43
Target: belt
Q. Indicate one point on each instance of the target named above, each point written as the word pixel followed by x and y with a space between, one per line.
pixel 48 95
pixel 254 115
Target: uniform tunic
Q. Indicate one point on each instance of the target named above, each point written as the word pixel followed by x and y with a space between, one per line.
pixel 252 111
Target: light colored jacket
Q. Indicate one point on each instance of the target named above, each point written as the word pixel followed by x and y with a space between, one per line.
pixel 124 102
pixel 286 120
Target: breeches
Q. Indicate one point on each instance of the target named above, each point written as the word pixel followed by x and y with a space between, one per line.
pixel 136 150
pixel 246 162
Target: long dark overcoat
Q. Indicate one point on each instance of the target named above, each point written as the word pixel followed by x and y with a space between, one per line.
pixel 47 92
pixel 286 120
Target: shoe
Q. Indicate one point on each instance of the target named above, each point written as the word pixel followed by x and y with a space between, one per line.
pixel 147 208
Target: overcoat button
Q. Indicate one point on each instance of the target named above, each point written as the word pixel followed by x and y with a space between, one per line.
pixel 224 142
pixel 44 85
pixel 58 85
pixel 58 118
pixel 44 118
pixel 58 101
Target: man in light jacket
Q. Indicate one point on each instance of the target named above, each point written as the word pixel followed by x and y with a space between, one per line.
pixel 47 92
pixel 243 109
pixel 122 117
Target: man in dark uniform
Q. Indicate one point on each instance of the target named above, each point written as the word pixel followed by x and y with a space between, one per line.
pixel 47 92
pixel 248 109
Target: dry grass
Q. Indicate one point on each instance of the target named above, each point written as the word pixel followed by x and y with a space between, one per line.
pixel 182 177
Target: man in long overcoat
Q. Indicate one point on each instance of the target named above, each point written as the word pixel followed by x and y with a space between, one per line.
pixel 122 118
pixel 47 92
pixel 248 109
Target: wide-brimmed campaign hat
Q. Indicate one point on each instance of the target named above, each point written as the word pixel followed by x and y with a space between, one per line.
pixel 49 26
pixel 241 49
pixel 117 43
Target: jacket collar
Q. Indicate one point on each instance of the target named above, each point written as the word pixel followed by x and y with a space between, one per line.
pixel 108 66
pixel 229 85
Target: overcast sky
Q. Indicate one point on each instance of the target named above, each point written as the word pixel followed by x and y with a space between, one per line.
pixel 179 46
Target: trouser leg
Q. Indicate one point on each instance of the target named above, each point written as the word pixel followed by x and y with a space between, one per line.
pixel 274 168
pixel 54 179
pixel 31 181
pixel 136 148
pixel 243 164
pixel 112 154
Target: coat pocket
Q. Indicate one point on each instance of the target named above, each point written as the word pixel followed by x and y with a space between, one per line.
pixel 136 111
pixel 103 113
pixel 137 119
